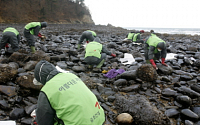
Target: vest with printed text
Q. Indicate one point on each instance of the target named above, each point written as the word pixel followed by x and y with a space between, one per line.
pixel 73 101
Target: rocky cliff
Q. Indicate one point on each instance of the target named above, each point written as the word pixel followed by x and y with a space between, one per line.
pixel 51 11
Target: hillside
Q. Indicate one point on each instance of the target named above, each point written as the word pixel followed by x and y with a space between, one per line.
pixel 51 11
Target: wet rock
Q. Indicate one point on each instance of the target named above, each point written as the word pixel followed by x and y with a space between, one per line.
pixel 195 87
pixel 8 90
pixel 17 113
pixel 197 63
pixel 129 75
pixel 120 82
pixel 30 65
pixel 131 88
pixel 62 64
pixel 124 119
pixel 40 55
pixel 4 105
pixel 166 70
pixel 17 57
pixel 196 110
pixel 27 82
pixel 172 112
pixel 187 91
pixel 78 68
pixel 29 109
pixel 146 72
pixel 188 122
pixel 189 114
pixel 105 107
pixel 186 101
pixel 168 92
pixel 111 98
pixel 7 73
pixel 27 121
pixel 185 77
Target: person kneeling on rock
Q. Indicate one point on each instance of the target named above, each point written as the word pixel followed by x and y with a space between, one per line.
pixel 135 36
pixel 155 48
pixel 96 53
pixel 31 29
pixel 10 36
pixel 89 35
pixel 64 99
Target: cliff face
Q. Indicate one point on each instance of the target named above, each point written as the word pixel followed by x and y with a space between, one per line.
pixel 51 11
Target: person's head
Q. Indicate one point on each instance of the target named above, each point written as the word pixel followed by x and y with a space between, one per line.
pixel 151 31
pixel 141 31
pixel 97 40
pixel 43 71
pixel 161 46
pixel 43 25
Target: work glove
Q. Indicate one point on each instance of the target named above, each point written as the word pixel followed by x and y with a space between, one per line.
pixel 113 55
pixel 153 64
pixel 40 35
pixel 7 46
pixel 43 37
pixel 79 46
pixel 32 49
pixel 163 62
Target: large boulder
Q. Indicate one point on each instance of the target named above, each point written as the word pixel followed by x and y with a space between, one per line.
pixel 141 110
pixel 7 73
pixel 39 55
pixel 26 81
pixel 146 72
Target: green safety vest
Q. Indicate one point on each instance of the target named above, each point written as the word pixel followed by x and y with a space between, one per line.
pixel 135 37
pixel 10 29
pixel 32 25
pixel 93 49
pixel 93 33
pixel 73 101
pixel 153 41
pixel 130 36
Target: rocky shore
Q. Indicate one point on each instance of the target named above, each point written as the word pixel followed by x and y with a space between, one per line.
pixel 168 96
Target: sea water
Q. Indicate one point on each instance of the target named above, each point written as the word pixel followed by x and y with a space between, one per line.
pixel 191 31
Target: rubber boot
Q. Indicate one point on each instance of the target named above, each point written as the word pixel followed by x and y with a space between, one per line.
pixel 32 49
pixel 147 61
pixel 90 66
pixel 100 64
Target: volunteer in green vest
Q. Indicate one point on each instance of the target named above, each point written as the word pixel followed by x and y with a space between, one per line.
pixel 65 99
pixel 32 29
pixel 155 48
pixel 96 53
pixel 10 36
pixel 89 35
pixel 130 35
pixel 135 36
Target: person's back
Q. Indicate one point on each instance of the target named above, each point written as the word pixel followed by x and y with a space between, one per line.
pixel 11 36
pixel 73 102
pixel 65 96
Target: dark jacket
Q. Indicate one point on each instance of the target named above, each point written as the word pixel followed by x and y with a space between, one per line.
pixel 149 51
pixel 11 38
pixel 45 114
